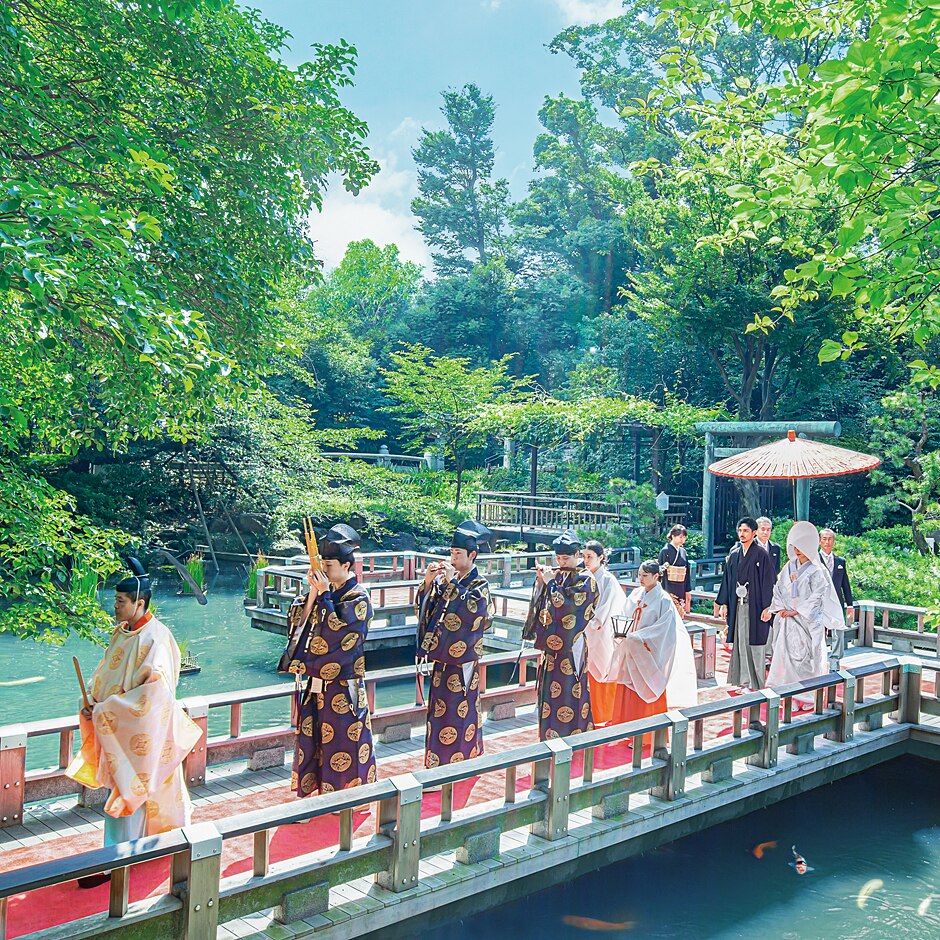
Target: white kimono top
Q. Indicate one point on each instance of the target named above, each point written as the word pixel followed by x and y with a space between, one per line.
pixel 799 643
pixel 599 633
pixel 139 735
pixel 656 656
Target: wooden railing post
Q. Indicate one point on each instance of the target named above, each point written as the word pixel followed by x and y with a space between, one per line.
pixel 201 904
pixel 866 625
pixel 909 703
pixel 400 818
pixel 553 776
pixel 767 756
pixel 845 730
pixel 198 711
pixel 261 583
pixel 675 755
pixel 12 774
pixel 507 569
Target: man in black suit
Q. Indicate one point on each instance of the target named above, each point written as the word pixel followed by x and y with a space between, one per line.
pixel 764 528
pixel 838 571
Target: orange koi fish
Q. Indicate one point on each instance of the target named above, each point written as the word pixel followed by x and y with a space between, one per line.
pixel 588 923
pixel 758 850
pixel 799 863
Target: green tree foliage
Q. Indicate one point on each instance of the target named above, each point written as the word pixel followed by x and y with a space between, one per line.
pixel 443 399
pixel 856 127
pixel 157 166
pixel 906 432
pixel 461 209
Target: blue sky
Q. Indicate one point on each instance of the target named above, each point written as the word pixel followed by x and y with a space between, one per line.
pixel 410 51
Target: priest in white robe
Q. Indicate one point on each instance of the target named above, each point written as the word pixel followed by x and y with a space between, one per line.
pixel 806 606
pixel 135 735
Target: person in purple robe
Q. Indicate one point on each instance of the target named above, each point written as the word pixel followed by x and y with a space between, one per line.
pixel 454 611
pixel 333 745
pixel 562 606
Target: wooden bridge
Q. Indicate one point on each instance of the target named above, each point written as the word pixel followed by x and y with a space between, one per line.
pixel 257 863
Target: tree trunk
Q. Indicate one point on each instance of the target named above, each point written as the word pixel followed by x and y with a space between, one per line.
pixel 749 495
pixel 920 540
pixel 460 462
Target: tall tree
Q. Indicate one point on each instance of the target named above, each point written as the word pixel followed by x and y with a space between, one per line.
pixel 158 165
pixel 442 399
pixel 859 125
pixel 461 209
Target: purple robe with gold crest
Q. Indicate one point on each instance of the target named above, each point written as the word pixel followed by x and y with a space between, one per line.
pixel 452 617
pixel 333 745
pixel 561 609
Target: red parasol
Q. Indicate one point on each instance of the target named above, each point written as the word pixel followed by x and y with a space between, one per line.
pixel 793 458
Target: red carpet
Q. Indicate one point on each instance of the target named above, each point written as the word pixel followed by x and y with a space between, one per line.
pixel 62 903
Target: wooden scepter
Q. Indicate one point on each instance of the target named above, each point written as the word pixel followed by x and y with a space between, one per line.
pixel 81 682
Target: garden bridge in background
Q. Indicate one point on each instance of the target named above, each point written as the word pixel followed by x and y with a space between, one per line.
pixel 538 518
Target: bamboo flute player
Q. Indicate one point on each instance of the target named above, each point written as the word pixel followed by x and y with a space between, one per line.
pixel 135 735
pixel 333 746
pixel 453 607
pixel 562 607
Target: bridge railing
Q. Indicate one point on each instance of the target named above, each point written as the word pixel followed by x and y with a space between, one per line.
pixel 262 747
pixel 199 898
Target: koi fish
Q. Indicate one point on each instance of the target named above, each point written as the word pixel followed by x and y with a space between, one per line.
pixel 28 681
pixel 588 923
pixel 799 863
pixel 758 850
pixel 868 889
pixel 922 907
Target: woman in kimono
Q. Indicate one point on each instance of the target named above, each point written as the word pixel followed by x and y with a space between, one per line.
pixel 806 606
pixel 562 607
pixel 333 746
pixel 606 694
pixel 654 661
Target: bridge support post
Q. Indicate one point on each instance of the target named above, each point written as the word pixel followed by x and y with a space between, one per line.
pixel 553 776
pixel 12 774
pixel 201 903
pixel 767 756
pixel 675 754
pixel 909 703
pixel 846 728
pixel 400 818
pixel 866 626
pixel 198 711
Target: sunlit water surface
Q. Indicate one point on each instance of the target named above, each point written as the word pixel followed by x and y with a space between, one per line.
pixel 881 824
pixel 231 654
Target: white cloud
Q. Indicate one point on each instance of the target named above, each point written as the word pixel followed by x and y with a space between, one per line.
pixel 382 212
pixel 585 12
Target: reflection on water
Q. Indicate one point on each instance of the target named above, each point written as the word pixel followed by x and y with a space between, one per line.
pixel 883 824
pixel 38 681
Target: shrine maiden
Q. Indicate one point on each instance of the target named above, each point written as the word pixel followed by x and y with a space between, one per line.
pixel 654 661
pixel 606 694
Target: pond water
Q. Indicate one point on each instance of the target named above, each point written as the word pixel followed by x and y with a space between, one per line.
pixel 232 656
pixel 881 824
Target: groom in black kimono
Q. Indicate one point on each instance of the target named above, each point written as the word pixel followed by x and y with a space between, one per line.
pixel 743 601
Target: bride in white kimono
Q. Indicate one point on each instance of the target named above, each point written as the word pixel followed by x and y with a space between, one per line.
pixel 806 606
